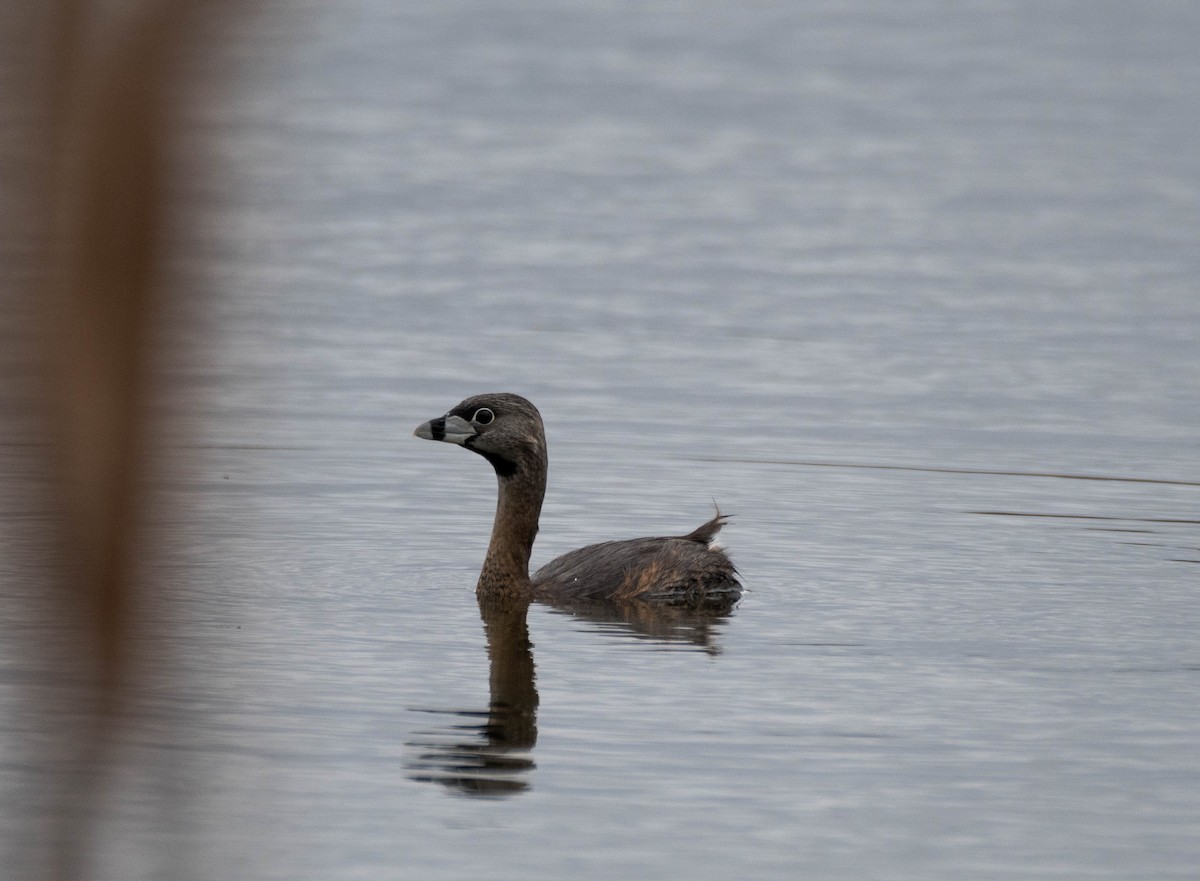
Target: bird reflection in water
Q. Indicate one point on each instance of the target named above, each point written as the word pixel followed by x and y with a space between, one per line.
pixel 491 757
pixel 489 753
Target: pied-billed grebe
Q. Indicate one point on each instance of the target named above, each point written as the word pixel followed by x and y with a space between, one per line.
pixel 507 431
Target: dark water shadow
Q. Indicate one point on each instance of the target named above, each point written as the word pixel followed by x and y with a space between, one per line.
pixel 671 626
pixel 488 753
pixel 1151 527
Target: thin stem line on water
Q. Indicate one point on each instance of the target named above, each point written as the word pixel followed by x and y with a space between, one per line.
pixel 930 469
pixel 1083 517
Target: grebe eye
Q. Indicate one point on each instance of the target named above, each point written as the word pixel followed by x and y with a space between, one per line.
pixel 483 416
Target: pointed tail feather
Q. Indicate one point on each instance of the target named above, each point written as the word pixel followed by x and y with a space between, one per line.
pixel 707 532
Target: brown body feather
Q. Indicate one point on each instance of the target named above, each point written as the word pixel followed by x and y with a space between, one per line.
pixel 675 569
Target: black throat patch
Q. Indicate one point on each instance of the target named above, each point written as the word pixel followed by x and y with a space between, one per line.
pixel 504 467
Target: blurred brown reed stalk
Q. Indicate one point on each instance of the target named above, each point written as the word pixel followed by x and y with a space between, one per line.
pixel 92 84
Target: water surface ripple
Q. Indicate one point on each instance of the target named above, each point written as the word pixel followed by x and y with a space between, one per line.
pixel 910 291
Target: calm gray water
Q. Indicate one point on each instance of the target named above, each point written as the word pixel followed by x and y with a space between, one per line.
pixel 909 289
